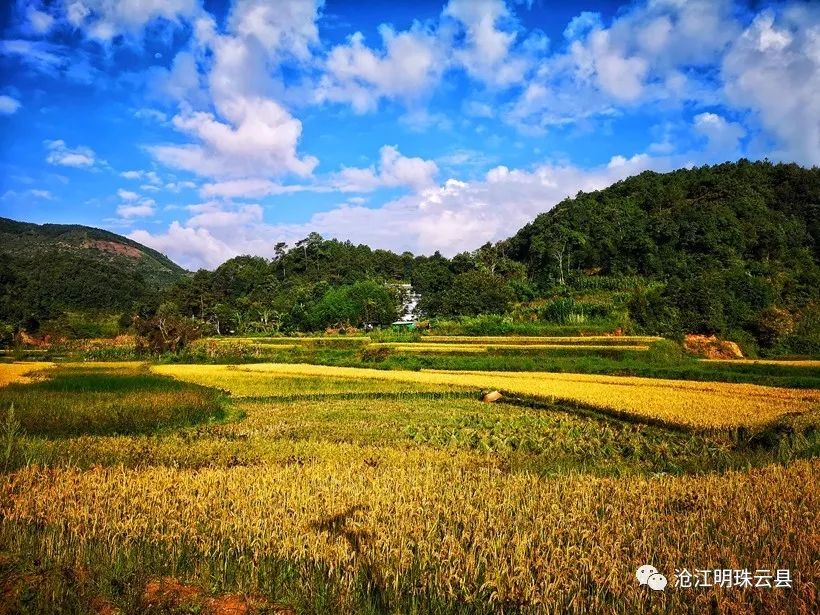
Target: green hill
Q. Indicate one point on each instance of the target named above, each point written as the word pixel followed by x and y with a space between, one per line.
pixel 732 249
pixel 50 269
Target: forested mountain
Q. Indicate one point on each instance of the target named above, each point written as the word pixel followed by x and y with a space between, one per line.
pixel 732 249
pixel 46 270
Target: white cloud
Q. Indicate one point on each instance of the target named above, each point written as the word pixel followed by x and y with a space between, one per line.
pixel 282 28
pixel 487 51
pixel 773 69
pixel 655 51
pixel 76 12
pixel 180 186
pixel 723 136
pixel 618 75
pixel 8 105
pixel 582 24
pixel 41 194
pixel 141 209
pixel 149 176
pixel 33 192
pixel 104 19
pixel 248 133
pixel 452 217
pixel 146 113
pixel 40 22
pixel 127 195
pixel 182 83
pixel 259 137
pixel 253 187
pixel 394 170
pixel 217 215
pixel 192 248
pixel 460 216
pixel 60 154
pixel 408 68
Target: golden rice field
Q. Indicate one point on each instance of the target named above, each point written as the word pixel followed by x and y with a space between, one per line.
pixel 347 490
pixel 538 340
pixel 516 542
pixel 794 363
pixel 698 405
pixel 470 347
pixel 19 372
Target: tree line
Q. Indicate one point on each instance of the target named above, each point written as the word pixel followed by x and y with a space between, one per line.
pixel 730 249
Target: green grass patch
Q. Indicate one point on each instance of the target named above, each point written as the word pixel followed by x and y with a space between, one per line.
pixel 73 400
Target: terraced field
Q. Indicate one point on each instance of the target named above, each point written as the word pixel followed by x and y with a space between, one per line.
pixel 446 344
pixel 673 402
pixel 311 489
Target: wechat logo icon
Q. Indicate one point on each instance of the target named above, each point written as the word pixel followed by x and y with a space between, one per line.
pixel 649 575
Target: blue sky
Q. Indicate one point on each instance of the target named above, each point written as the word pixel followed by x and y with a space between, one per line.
pixel 211 129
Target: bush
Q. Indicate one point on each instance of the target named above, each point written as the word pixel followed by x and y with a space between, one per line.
pixel 476 292
pixel 167 331
pixel 359 304
pixel 6 335
pixel 566 310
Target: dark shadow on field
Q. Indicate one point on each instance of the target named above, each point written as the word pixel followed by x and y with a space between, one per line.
pixel 336 524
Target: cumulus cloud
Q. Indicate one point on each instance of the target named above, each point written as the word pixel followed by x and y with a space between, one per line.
pixel 150 176
pixel 582 24
pixel 478 36
pixel 102 20
pixel 39 22
pixel 218 215
pixel 282 28
pixel 182 82
pixel 8 105
pixel 486 54
pixel 41 194
pixel 773 69
pixel 190 247
pixel 180 186
pixel 146 113
pixel 127 195
pixel 253 187
pixel 654 51
pixel 723 136
pixel 60 154
pixel 451 217
pixel 228 96
pixel 407 68
pixel 259 136
pixel 393 170
pixel 137 209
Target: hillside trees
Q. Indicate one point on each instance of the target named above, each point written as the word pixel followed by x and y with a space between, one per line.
pixel 731 249
pixel 721 249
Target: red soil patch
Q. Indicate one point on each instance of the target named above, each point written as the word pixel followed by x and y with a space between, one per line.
pixel 101 606
pixel 112 247
pixel 168 592
pixel 711 347
pixel 227 605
